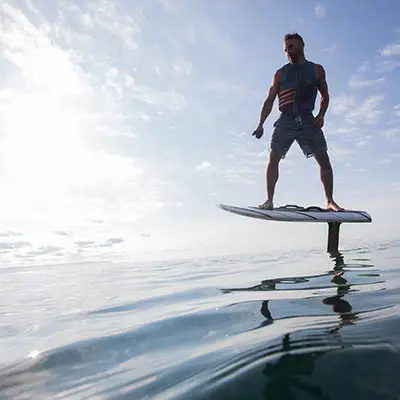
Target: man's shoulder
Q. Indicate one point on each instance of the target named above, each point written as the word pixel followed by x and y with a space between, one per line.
pixel 318 68
pixel 280 71
pixel 285 66
pixel 316 65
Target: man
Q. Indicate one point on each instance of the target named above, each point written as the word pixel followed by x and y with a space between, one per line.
pixel 296 84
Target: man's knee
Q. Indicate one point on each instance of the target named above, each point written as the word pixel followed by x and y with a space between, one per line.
pixel 274 158
pixel 323 160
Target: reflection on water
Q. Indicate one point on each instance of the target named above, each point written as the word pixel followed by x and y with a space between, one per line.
pixel 337 271
pixel 286 376
pixel 290 337
pixel 290 371
pixel 290 374
pixel 339 304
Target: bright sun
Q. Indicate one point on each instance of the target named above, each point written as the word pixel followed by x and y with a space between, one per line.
pixel 49 170
pixel 43 150
pixel 43 141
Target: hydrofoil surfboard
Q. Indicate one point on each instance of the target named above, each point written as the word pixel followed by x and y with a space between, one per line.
pixel 294 213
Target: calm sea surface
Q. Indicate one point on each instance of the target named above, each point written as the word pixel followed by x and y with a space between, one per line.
pixel 289 325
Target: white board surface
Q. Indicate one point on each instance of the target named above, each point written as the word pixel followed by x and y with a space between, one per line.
pixel 299 214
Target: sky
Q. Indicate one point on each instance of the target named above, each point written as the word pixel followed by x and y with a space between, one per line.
pixel 123 124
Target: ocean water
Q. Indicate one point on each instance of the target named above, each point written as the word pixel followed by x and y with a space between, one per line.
pixel 283 325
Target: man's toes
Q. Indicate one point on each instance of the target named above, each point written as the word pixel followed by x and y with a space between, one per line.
pixel 334 207
pixel 267 205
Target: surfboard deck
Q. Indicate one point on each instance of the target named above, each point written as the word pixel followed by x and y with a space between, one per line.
pixel 294 213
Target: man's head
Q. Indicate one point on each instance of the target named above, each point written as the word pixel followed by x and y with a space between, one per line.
pixel 293 45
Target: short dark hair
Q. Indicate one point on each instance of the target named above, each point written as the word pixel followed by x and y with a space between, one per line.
pixel 294 35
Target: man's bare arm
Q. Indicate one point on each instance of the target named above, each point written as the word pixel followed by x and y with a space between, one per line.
pixel 323 89
pixel 269 101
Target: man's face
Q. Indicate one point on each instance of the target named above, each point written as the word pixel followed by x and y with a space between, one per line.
pixel 293 49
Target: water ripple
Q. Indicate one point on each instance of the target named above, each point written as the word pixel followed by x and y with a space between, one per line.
pixel 224 330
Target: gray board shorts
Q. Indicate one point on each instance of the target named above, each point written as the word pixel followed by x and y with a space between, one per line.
pixel 288 128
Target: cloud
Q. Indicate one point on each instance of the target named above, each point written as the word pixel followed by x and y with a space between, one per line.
pixel 383 63
pixel 112 84
pixel 68 109
pixel 339 151
pixel 243 175
pixel 176 69
pixel 43 250
pixel 320 11
pixel 85 244
pixel 228 90
pixel 167 4
pixel 246 166
pixel 167 100
pixel 204 166
pixel 119 85
pixel 14 245
pixel 145 117
pixel 363 142
pixel 106 16
pixel 172 5
pixel 197 30
pixel 30 50
pixel 330 49
pixel 368 112
pixel 389 158
pixel 392 133
pixel 396 110
pixel 10 234
pixel 347 130
pixel 216 38
pixel 383 66
pixel 391 49
pixel 182 67
pixel 341 104
pixel 356 82
pixel 239 135
pixel 366 65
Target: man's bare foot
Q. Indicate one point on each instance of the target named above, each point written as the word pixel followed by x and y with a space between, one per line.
pixel 332 206
pixel 267 205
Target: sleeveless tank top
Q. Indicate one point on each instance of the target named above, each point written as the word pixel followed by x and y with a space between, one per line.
pixel 297 88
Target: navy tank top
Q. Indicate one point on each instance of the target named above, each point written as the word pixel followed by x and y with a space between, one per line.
pixel 297 88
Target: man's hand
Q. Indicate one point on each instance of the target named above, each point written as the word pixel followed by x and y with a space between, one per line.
pixel 258 132
pixel 319 121
pixel 268 103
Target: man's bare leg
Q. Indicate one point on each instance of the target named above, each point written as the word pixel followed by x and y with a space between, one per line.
pixel 272 175
pixel 326 174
